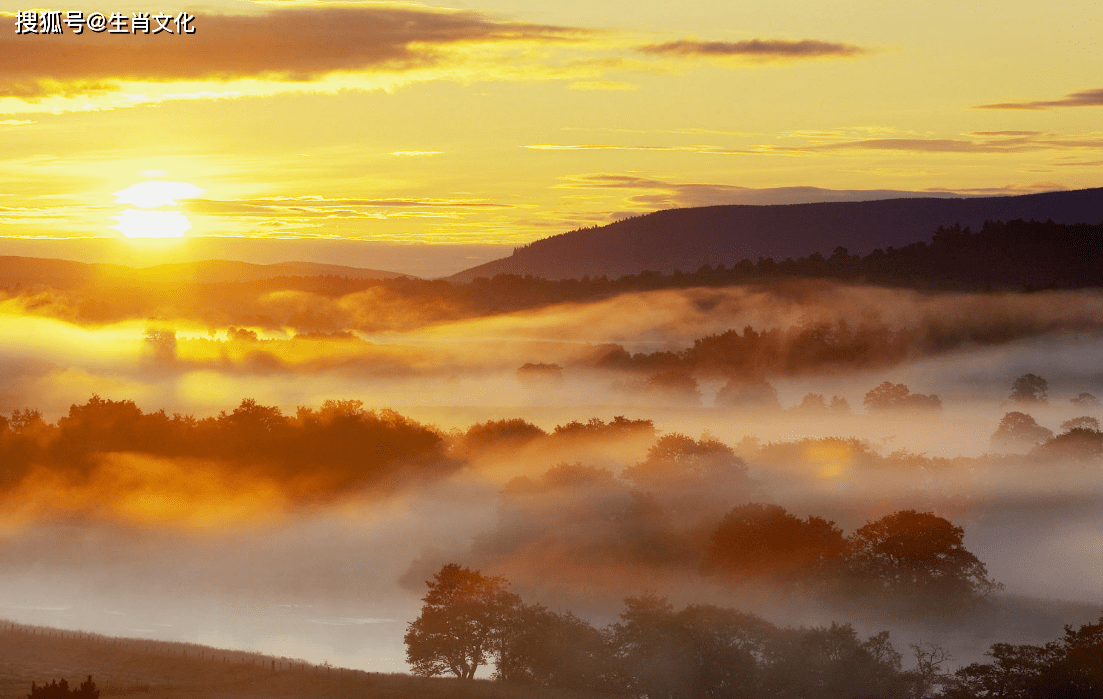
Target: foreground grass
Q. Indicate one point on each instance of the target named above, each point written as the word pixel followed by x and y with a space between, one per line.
pixel 163 670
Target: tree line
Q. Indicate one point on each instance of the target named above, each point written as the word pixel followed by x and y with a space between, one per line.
pixel 326 450
pixel 470 620
pixel 1013 255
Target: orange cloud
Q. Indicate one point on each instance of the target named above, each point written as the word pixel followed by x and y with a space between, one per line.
pixel 286 44
pixel 1084 98
pixel 762 49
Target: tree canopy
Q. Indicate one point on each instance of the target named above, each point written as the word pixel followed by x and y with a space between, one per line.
pixel 462 623
pixel 920 555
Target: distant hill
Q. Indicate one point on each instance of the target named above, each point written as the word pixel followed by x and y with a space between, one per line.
pixel 64 274
pixel 686 239
pixel 218 271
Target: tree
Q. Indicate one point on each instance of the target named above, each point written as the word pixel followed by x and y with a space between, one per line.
pixel 60 690
pixel 540 374
pixel 1012 674
pixel 679 469
pixel 920 555
pixel 500 434
pixel 701 651
pixel 1075 670
pixel 928 672
pixel 161 343
pixel 1084 422
pixel 1017 428
pixel 748 393
pixel 1029 388
pixel 896 396
pixel 1068 668
pixel 554 650
pixel 462 624
pixel 1077 445
pixel 833 662
pixel 675 386
pixel 1086 400
pixel 812 403
pixel 765 541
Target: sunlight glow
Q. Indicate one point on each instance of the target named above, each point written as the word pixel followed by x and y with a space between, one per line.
pixel 149 195
pixel 152 224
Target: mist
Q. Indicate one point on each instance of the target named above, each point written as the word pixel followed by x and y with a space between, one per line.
pixel 533 474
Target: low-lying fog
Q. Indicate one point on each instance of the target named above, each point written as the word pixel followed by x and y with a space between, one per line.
pixel 186 548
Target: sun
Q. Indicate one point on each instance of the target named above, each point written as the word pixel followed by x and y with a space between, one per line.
pixel 134 223
pixel 150 220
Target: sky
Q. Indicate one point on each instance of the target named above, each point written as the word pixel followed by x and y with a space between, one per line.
pixel 498 122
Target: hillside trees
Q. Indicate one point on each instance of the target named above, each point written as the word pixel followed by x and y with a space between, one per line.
pixel 1068 668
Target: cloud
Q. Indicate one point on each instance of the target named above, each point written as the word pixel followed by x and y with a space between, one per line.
pixel 662 194
pixel 827 142
pixel 284 44
pixel 313 206
pixel 1084 98
pixel 759 49
pixel 706 149
pixel 998 142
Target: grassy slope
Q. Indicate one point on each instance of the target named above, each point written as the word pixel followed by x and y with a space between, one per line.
pixel 161 670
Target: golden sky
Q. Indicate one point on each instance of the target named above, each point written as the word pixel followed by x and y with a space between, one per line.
pixel 504 121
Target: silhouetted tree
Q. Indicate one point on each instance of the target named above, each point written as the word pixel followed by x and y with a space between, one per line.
pixel 766 542
pixel 1012 674
pixel 918 555
pixel 833 662
pixel 1068 668
pixel 748 393
pixel 162 343
pixel 462 624
pixel 554 650
pixel 1084 422
pixel 540 374
pixel 1086 400
pixel 87 690
pixel 676 386
pixel 928 672
pixel 61 690
pixel 701 651
pixel 680 468
pixel 241 335
pixel 812 403
pixel 1075 670
pixel 1077 445
pixel 896 396
pixel 499 434
pixel 596 427
pixel 1019 429
pixel 1029 388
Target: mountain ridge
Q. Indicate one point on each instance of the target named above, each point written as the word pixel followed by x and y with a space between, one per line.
pixel 686 239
